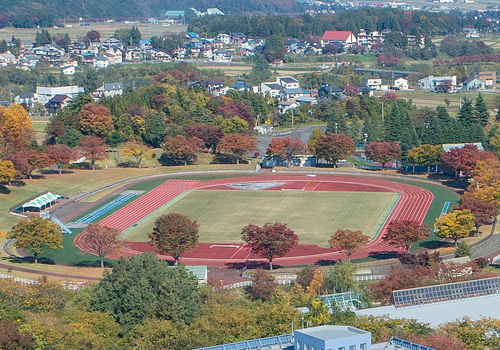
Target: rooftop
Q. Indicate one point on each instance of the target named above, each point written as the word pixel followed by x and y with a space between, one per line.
pixel 331 332
pixel 336 35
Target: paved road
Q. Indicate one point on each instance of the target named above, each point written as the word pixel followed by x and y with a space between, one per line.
pixel 302 133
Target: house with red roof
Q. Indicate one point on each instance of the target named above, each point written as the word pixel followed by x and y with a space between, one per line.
pixel 343 37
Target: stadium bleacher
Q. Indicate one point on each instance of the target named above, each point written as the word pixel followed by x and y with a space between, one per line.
pixel 87 219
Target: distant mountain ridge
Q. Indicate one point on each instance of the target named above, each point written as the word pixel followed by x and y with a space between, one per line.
pixel 44 13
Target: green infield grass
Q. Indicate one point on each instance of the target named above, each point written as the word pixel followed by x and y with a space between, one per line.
pixel 314 216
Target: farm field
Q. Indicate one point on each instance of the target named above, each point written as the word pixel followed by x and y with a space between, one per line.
pixel 106 30
pixel 314 216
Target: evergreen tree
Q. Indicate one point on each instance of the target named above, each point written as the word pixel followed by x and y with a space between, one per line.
pixel 481 114
pixel 337 123
pixel 66 42
pixel 466 114
pixel 3 46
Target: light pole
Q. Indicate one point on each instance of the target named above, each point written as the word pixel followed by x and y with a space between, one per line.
pixel 336 126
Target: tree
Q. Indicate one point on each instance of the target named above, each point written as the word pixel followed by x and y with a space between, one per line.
pixel 36 234
pixel 61 155
pixel 313 139
pixel 269 241
pixel 137 151
pixel 455 225
pixel 7 171
pixel 333 147
pixel 94 149
pixel 314 288
pixel 466 113
pixel 348 241
pixel 383 152
pixel 101 240
pixel 96 120
pixel 174 234
pixel 481 113
pixel 463 249
pixel 464 159
pixel 234 125
pixel 208 133
pixel 237 144
pixel 318 313
pixel 263 285
pixel 180 150
pixel 26 162
pixel 425 155
pixel 11 338
pixel 483 211
pixel 340 278
pixel 404 233
pixel 142 288
pixel 94 36
pixel 286 148
pixel 15 129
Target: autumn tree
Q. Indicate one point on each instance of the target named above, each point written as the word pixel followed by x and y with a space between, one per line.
pixel 36 234
pixel 180 150
pixel 464 159
pixel 101 240
pixel 314 288
pixel 7 171
pixel 383 152
pixel 269 241
pixel 12 338
pixel 174 234
pixel 61 155
pixel 286 148
pixel 313 139
pixel 404 233
pixel 15 129
pixel 208 133
pixel 318 313
pixel 94 149
pixel 333 147
pixel 137 151
pixel 237 144
pixel 234 125
pixel 455 225
pixel 96 120
pixel 26 162
pixel 348 241
pixel 263 285
pixel 483 211
pixel 425 155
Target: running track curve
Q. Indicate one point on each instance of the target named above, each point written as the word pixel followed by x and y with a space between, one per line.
pixel 412 204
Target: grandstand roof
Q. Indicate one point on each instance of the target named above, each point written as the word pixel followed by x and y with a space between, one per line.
pixel 438 313
pixel 41 201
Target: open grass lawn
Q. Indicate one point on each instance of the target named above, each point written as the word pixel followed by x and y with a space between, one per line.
pixel 314 216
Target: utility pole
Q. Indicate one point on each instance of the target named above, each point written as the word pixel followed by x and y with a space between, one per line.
pixel 292 117
pixel 382 111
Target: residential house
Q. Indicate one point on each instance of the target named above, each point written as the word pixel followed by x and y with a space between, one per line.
pixel 238 38
pixel 68 70
pixel 288 82
pixel 284 106
pixel 221 56
pixel 473 83
pixel 290 45
pixel 291 93
pixel 240 85
pixel 109 90
pixel 278 63
pixel 29 60
pixel 100 62
pixel 343 37
pixel 212 86
pixel 435 84
pixel 330 91
pixel 46 93
pixel 271 89
pixel 365 90
pixel 6 59
pixel 400 84
pixel 27 99
pixel 192 36
pixel 376 84
pixel 56 103
pixel 224 38
pixel 489 78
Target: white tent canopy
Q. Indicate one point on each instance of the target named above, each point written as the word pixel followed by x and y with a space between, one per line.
pixel 42 202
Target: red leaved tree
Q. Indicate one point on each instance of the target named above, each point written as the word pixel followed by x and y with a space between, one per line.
pixel 269 241
pixel 101 240
pixel 383 152
pixel 348 241
pixel 483 212
pixel 181 150
pixel 61 155
pixel 208 133
pixel 94 149
pixel 464 159
pixel 237 144
pixel 26 162
pixel 333 147
pixel 263 285
pixel 96 120
pixel 286 148
pixel 403 234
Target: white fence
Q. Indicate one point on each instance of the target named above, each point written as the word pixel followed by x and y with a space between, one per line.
pixel 362 278
pixel 66 284
pixel 249 283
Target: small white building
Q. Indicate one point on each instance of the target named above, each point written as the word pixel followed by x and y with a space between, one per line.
pixel 288 82
pixel 400 84
pixel 101 62
pixel 432 83
pixel 376 84
pixel 224 38
pixel 68 70
pixel 47 93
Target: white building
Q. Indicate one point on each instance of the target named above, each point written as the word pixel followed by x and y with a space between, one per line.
pixel 432 83
pixel 288 82
pixel 376 84
pixel 47 93
pixel 100 62
pixel 400 84
pixel 68 70
pixel 332 337
pixel 110 90
pixel 224 38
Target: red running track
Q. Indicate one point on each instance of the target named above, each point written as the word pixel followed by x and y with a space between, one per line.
pixel 412 204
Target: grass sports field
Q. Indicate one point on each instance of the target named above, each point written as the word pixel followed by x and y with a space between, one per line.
pixel 314 216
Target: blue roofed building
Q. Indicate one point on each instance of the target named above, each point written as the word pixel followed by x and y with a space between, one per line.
pixel 175 14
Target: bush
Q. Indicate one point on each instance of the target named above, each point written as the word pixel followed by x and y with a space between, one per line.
pixel 463 249
pixel 171 161
pixel 225 158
